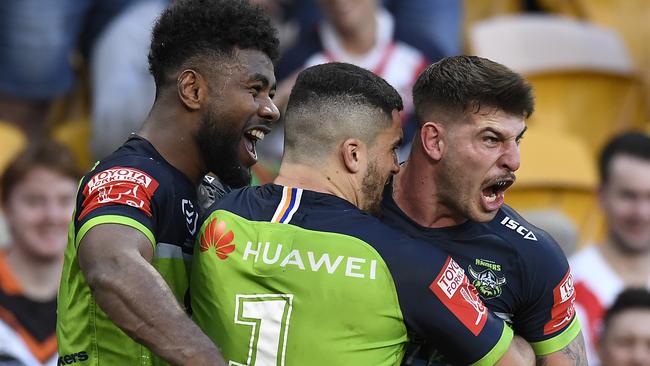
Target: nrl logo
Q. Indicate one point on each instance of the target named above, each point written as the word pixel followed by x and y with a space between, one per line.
pixel 486 282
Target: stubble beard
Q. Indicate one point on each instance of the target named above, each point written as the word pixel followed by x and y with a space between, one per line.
pixel 219 148
pixel 625 247
pixel 372 189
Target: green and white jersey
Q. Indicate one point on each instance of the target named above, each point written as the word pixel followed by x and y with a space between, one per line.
pixel 283 276
pixel 134 187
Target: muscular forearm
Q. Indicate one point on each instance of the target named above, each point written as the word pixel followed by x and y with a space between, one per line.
pixel 136 298
pixel 573 354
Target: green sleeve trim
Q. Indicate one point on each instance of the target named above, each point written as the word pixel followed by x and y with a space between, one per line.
pixel 559 341
pixel 114 219
pixel 499 349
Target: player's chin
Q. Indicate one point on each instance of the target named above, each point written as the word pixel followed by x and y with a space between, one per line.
pixel 483 213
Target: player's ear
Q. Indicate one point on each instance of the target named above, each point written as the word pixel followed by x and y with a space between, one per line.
pixel 352 154
pixel 192 89
pixel 431 138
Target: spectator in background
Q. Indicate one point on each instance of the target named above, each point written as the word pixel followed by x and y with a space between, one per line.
pixel 622 260
pixel 123 89
pixel 361 33
pixel 625 340
pixel 37 42
pixel 38 191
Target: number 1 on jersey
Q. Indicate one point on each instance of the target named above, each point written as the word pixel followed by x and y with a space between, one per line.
pixel 269 316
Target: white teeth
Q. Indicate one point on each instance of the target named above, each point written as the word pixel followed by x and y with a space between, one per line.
pixel 491 198
pixel 257 134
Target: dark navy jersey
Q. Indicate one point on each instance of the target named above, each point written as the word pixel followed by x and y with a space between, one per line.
pixel 520 272
pixel 345 282
pixel 134 187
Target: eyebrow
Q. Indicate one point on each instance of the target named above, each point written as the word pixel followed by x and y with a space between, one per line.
pixel 263 79
pixel 500 134
pixel 521 134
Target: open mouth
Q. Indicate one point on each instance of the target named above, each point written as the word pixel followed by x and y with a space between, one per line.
pixel 251 137
pixel 494 194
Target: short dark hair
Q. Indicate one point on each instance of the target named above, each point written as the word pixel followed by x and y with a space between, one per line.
pixel 46 154
pixel 634 144
pixel 629 299
pixel 456 86
pixel 333 101
pixel 338 79
pixel 191 28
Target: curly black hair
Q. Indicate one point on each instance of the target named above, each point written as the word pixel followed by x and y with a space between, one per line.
pixel 190 28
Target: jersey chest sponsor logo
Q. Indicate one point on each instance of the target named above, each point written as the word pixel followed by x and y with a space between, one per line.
pixel 563 308
pixel 454 290
pixel 486 281
pixel 218 237
pixel 119 185
pixel 518 228
pixel 305 260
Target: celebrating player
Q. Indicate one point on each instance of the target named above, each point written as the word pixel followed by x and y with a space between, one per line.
pixel 451 192
pixel 295 273
pixel 136 215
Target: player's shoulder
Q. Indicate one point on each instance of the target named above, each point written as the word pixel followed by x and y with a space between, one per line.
pixel 136 161
pixel 525 237
pixel 394 245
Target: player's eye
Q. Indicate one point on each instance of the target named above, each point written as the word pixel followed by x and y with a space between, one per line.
pixel 490 140
pixel 255 90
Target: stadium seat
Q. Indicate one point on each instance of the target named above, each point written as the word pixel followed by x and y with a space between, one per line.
pixel 478 10
pixel 557 173
pixel 13 141
pixel 75 134
pixel 590 105
pixel 584 79
pixel 630 18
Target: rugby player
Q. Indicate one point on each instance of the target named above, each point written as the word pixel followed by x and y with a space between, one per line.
pixel 125 274
pixel 296 273
pixel 450 192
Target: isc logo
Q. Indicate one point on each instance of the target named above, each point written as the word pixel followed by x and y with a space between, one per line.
pixel 514 225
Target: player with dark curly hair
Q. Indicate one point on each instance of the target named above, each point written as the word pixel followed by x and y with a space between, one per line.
pixel 125 273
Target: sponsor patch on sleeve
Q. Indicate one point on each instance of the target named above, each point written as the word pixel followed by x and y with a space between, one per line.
pixel 460 297
pixel 119 185
pixel 563 308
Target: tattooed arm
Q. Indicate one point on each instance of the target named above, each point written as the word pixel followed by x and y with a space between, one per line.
pixel 572 355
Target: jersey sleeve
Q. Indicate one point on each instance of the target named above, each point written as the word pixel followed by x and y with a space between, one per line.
pixel 119 194
pixel 441 306
pixel 548 321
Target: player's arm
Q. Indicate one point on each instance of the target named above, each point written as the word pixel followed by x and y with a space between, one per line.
pixel 444 308
pixel 573 354
pixel 549 322
pixel 519 353
pixel 116 262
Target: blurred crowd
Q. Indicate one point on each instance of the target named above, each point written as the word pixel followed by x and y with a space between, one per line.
pixel 76 72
